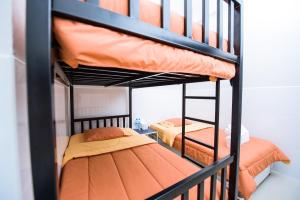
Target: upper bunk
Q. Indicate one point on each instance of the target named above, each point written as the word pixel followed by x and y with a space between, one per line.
pixel 142 43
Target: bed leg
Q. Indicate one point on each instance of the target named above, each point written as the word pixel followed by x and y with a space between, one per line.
pixel 130 106
pixel 40 87
pixel 72 109
pixel 236 102
pixel 183 121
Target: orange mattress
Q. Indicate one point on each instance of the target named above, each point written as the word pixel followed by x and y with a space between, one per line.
pixel 83 44
pixel 256 155
pixel 134 173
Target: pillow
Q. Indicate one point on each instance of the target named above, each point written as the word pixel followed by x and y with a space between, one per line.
pixel 98 134
pixel 178 122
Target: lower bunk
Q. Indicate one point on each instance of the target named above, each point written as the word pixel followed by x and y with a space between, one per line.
pixel 256 156
pixel 115 163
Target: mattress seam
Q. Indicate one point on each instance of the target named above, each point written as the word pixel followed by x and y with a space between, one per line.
pixel 147 168
pixel 119 175
pixel 168 161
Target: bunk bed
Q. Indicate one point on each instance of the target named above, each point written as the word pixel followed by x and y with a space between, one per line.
pixel 131 166
pixel 256 154
pixel 103 46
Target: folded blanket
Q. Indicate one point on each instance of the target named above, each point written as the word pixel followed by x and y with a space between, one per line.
pixel 168 133
pixel 79 148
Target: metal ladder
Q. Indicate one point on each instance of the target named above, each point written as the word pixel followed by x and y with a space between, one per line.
pixel 215 147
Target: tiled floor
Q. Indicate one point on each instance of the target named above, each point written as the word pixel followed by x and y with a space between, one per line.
pixel 278 187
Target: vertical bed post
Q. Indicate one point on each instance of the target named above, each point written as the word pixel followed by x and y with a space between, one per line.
pixel 216 139
pixel 236 101
pixel 217 114
pixel 205 21
pixel 72 109
pixel 40 86
pixel 183 121
pixel 130 106
pixel 165 14
pixel 134 8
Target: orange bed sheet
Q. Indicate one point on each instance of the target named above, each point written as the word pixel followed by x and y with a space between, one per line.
pixel 83 44
pixel 135 173
pixel 256 155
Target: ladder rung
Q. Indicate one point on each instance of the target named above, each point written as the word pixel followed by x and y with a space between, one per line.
pixel 201 143
pixel 200 97
pixel 194 161
pixel 200 120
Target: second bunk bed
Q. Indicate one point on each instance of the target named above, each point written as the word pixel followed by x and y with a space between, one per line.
pixel 138 44
pixel 257 154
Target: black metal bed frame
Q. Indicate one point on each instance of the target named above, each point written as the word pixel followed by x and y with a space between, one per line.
pixel 41 73
pixel 108 121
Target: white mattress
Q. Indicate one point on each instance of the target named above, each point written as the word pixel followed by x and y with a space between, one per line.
pixel 262 175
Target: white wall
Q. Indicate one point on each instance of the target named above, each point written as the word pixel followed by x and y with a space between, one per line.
pixel 272 85
pixel 100 101
pixel 15 173
pixel 156 103
pixel 91 101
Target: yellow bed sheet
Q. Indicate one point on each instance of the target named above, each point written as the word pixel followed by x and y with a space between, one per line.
pixel 78 148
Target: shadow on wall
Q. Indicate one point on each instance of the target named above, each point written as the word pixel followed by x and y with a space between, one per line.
pixel 100 101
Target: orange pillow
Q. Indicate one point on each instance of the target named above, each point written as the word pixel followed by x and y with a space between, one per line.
pixel 98 134
pixel 178 122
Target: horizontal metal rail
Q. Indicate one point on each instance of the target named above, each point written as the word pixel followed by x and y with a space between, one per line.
pixel 191 181
pixel 200 97
pixel 93 2
pixel 99 118
pixel 121 77
pixel 132 79
pixel 194 161
pixel 109 119
pixel 155 84
pixel 199 142
pixel 200 120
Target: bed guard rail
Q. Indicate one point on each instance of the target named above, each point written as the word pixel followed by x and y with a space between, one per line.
pixel 197 179
pixel 88 11
pixel 105 121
